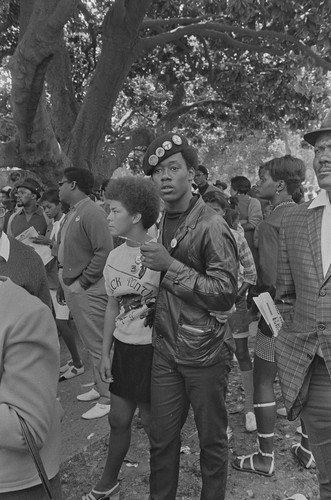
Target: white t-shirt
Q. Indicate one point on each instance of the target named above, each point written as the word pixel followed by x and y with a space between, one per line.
pixel 132 285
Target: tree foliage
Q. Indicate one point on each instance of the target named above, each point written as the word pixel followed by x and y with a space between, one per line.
pixel 100 77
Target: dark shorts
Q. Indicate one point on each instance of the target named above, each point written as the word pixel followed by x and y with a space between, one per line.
pixel 131 369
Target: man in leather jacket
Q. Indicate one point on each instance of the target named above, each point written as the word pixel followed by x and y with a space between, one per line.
pixel 197 257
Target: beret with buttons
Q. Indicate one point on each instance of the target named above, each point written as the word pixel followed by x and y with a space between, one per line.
pixel 162 147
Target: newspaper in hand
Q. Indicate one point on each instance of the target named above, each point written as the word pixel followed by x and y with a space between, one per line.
pixel 43 251
pixel 269 312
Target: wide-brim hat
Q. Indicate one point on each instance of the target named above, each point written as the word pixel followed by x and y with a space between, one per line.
pixel 32 185
pixel 163 147
pixel 325 127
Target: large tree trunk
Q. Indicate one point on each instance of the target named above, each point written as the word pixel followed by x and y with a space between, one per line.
pixel 64 108
pixel 35 146
pixel 41 54
pixel 120 47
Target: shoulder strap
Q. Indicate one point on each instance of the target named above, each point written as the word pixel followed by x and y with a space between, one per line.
pixel 36 456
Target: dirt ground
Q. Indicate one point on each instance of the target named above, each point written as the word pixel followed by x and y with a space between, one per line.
pixel 81 470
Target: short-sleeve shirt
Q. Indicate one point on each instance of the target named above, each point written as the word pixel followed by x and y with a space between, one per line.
pixel 20 223
pixel 133 286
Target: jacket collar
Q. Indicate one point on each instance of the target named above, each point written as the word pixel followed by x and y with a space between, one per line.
pixel 321 200
pixel 192 217
pixel 190 221
pixel 314 222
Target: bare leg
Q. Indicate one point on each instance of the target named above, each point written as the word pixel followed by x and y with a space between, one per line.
pixel 242 354
pixel 246 369
pixel 120 420
pixel 68 335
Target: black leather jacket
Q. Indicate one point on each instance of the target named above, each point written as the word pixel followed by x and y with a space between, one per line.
pixel 202 278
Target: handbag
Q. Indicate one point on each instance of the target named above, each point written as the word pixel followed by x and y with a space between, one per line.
pixel 35 456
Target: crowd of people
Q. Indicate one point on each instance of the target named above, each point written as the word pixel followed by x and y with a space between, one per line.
pixel 159 277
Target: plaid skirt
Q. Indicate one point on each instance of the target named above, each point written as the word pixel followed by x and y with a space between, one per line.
pixel 265 347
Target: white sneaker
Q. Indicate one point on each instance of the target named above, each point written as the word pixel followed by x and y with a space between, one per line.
pixel 72 372
pixel 250 422
pixel 66 367
pixel 88 396
pixel 97 411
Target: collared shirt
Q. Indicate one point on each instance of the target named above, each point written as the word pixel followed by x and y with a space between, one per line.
pixel 4 246
pixel 323 200
pixel 56 226
pixel 20 223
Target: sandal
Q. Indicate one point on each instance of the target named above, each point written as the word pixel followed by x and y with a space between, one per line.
pixel 238 463
pixel 112 494
pixel 310 464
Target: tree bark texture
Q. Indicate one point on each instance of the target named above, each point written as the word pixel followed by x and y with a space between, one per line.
pixel 120 47
pixel 64 108
pixel 37 146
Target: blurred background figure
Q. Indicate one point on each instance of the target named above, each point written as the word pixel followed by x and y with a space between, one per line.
pixel 249 209
pixel 201 180
pixel 8 201
pixel 221 185
pixel 29 213
pixel 51 204
pixel 239 321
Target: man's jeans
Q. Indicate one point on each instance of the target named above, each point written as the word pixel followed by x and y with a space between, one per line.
pixel 174 388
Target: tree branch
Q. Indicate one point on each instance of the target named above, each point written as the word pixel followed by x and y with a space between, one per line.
pixel 201 31
pixel 186 108
pixel 124 118
pixel 225 32
pixel 61 14
pixel 152 23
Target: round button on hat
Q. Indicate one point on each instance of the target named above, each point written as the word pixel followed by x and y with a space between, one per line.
pixel 163 147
